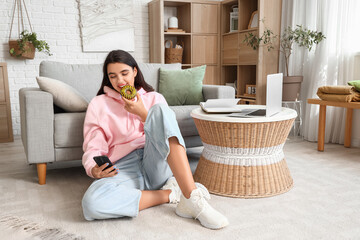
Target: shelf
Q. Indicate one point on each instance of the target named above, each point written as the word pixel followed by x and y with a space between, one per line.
pixel 175 3
pixel 230 2
pixel 248 30
pixel 230 33
pixel 246 97
pixel 241 31
pixel 176 33
pixel 229 65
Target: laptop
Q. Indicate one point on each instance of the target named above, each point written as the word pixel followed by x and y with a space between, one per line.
pixel 274 84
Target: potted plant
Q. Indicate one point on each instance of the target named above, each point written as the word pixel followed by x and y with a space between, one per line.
pixel 25 46
pixel 304 38
pixel 301 36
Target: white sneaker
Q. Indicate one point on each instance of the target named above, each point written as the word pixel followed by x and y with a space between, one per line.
pixel 174 197
pixel 197 207
pixel 172 185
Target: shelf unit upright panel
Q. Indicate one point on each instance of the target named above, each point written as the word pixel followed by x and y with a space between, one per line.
pixel 156 30
pixel 270 11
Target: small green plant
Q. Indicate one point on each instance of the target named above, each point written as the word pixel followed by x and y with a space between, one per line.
pixel 301 36
pixel 267 39
pixel 25 37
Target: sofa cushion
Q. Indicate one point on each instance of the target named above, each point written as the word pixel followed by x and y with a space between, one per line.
pixel 64 96
pixel 68 129
pixel 150 72
pixel 86 78
pixel 182 87
pixel 185 121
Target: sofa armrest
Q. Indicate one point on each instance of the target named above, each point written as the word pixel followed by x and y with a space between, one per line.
pixel 218 91
pixel 37 125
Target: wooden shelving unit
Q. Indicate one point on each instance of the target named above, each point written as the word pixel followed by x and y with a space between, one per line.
pixel 240 62
pixel 6 132
pixel 208 40
pixel 201 21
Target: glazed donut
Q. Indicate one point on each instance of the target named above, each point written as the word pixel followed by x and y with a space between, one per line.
pixel 128 92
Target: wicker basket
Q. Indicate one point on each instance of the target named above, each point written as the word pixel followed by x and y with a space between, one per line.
pixel 173 55
pixel 244 159
pixel 29 49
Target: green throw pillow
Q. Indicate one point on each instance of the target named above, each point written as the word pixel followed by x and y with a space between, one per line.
pixel 356 84
pixel 182 87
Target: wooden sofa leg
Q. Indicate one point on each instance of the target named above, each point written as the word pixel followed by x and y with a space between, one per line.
pixel 41 169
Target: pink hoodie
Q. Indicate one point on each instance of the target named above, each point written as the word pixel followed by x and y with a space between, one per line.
pixel 111 130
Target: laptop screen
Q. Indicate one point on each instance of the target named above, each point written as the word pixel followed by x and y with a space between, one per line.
pixel 274 86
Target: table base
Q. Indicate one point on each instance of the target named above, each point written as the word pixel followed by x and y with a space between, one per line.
pixel 244 181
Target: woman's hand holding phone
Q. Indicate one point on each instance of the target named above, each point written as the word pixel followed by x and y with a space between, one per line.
pixel 103 168
pixel 99 172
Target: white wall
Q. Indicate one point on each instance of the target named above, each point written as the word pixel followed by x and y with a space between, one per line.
pixel 57 22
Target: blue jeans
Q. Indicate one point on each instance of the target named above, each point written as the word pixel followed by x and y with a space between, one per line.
pixel 142 169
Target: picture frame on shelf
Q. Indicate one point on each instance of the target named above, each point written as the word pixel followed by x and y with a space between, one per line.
pixel 254 20
pixel 250 90
pixel 234 19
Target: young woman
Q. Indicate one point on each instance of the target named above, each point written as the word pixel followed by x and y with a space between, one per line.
pixel 142 139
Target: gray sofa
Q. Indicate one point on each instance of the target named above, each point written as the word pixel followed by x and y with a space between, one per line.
pixel 49 135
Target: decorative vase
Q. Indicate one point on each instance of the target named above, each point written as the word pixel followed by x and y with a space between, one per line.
pixel 291 88
pixel 29 48
pixel 173 23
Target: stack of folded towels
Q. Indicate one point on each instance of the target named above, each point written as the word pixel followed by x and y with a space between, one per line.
pixel 341 93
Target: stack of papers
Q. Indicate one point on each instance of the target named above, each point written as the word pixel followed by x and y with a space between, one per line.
pixel 220 105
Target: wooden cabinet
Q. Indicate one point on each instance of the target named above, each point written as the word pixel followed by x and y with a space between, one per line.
pixel 230 49
pixel 200 20
pixel 205 49
pixel 6 132
pixel 205 18
pixel 240 62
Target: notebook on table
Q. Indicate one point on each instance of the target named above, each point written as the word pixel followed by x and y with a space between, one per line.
pixel 220 105
pixel 274 84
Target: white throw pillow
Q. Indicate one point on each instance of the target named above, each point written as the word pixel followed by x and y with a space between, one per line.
pixel 65 96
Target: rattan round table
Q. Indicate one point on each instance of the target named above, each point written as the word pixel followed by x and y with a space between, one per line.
pixel 243 157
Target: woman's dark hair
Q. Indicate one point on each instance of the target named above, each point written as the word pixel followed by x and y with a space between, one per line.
pixel 120 56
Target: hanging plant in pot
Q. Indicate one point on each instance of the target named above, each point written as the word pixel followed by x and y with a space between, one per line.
pixel 304 38
pixel 25 46
pixel 301 36
pixel 26 43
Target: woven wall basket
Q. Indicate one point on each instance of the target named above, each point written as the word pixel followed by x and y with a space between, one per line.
pixel 29 50
pixel 244 159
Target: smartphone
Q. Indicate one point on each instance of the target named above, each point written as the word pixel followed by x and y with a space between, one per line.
pixel 101 160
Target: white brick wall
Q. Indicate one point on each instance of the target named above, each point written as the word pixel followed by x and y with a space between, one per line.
pixel 57 22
